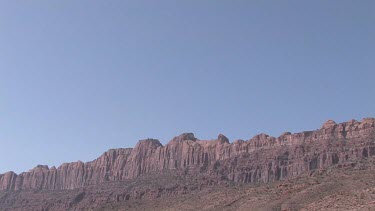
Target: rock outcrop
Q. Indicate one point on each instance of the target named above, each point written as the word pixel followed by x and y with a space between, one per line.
pixel 263 158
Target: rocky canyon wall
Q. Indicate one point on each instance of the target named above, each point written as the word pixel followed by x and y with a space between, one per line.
pixel 261 159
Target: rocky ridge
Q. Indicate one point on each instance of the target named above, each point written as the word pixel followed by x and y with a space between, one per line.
pixel 262 158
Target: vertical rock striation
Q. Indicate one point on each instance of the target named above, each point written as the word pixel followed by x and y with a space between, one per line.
pixel 263 158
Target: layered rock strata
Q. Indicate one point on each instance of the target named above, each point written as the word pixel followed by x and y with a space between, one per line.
pixel 263 158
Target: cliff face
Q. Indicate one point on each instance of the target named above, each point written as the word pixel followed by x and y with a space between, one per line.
pixel 260 159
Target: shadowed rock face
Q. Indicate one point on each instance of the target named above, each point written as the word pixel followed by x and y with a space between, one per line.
pixel 261 159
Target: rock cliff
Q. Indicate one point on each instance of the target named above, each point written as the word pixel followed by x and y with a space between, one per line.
pixel 262 158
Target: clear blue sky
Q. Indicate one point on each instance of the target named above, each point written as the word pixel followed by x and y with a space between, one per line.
pixel 80 77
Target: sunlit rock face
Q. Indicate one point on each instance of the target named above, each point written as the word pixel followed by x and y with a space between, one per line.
pixel 262 158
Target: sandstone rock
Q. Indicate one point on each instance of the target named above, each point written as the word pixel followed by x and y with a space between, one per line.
pixel 184 137
pixel 262 158
pixel 223 139
pixel 328 124
pixel 40 168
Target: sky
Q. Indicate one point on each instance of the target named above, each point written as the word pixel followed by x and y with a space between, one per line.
pixel 80 77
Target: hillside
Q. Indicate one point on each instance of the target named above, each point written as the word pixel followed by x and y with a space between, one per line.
pixel 328 168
